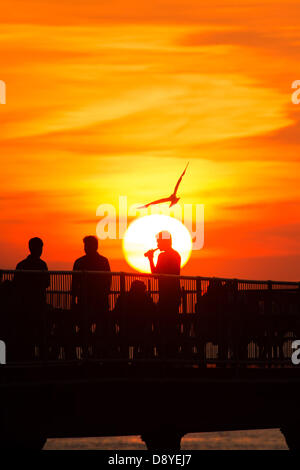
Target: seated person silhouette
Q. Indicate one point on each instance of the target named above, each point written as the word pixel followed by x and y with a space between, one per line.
pixel 31 295
pixel 209 313
pixel 135 314
pixel 168 262
pixel 90 292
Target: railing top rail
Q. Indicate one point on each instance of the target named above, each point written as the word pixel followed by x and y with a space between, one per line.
pixel 147 275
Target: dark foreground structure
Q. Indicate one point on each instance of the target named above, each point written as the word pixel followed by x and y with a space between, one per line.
pixel 72 370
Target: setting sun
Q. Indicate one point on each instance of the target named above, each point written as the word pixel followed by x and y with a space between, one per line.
pixel 140 237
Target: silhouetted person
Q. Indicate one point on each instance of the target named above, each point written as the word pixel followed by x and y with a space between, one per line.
pixel 90 291
pixel 211 322
pixel 31 297
pixel 168 262
pixel 135 314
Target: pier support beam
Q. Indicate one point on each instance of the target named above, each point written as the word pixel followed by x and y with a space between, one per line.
pixel 292 436
pixel 166 440
pixel 24 442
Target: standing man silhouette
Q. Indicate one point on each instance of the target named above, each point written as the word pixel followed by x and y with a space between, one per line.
pixel 31 298
pixel 34 261
pixel 168 262
pixel 90 292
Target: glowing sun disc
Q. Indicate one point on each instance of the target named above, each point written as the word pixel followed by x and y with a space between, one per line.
pixel 140 237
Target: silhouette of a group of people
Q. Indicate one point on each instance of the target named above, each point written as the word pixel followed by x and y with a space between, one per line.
pixel 136 313
pixel 95 317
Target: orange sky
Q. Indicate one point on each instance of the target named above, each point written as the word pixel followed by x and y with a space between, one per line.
pixel 113 98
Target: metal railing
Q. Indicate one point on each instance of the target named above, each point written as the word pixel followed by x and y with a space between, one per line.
pixel 219 322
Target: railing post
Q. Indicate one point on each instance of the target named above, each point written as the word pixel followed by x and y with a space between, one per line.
pixel 184 300
pixel 84 315
pixel 122 283
pixel 201 346
pixel 198 291
pixel 44 345
pixel 270 330
pixel 122 341
pixel 239 351
pixel 269 285
pixel 122 292
pixel 269 303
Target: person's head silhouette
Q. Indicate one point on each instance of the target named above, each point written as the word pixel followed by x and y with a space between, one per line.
pixel 36 247
pixel 164 240
pixel 90 245
pixel 137 287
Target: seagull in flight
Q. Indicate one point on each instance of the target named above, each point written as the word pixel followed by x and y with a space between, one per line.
pixel 173 199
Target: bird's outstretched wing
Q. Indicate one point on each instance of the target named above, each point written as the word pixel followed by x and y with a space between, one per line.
pixel 158 201
pixel 179 181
